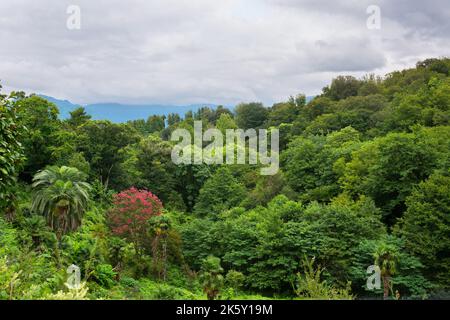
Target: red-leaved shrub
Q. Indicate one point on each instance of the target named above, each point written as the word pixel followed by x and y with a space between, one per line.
pixel 130 213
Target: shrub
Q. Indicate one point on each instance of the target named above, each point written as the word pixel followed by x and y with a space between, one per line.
pixel 311 286
pixel 104 275
pixel 128 218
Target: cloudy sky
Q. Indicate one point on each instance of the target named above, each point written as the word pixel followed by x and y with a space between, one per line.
pixel 192 51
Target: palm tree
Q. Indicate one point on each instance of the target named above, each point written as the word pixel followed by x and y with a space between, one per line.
pixel 386 259
pixel 62 197
pixel 159 228
pixel 211 277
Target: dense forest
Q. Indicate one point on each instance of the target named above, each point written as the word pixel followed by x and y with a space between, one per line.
pixel 364 180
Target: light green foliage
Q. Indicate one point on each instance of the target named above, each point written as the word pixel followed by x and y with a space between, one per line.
pixel 220 192
pixel 9 280
pixel 211 277
pixel 311 286
pixel 225 122
pixel 104 275
pixel 35 232
pixel 87 247
pixel 160 291
pixel 361 113
pixel 313 164
pixel 267 188
pixel 71 294
pixel 78 117
pixel 428 106
pixel 235 280
pixel 24 274
pixel 387 168
pixel 8 239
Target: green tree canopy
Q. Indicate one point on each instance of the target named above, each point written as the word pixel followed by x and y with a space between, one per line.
pixel 220 192
pixel 251 115
pixel 425 227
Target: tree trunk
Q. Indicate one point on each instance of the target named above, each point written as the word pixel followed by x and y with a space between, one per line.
pixel 386 287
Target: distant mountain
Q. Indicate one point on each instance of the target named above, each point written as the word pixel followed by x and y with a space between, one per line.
pixel 123 112
pixel 64 106
pixel 118 113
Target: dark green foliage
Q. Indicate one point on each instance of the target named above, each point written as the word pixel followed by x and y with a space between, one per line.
pixel 251 115
pixel 425 227
pixel 155 169
pixel 78 117
pixel 266 244
pixel 173 119
pixel 40 117
pixel 156 123
pixel 285 112
pixel 101 143
pixel 408 279
pixel 310 284
pixel 11 152
pixel 342 87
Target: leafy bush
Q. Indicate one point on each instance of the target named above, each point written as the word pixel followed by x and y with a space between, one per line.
pixel 311 286
pixel 72 294
pixel 104 275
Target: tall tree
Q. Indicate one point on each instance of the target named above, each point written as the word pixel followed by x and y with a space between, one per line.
pixel 156 123
pixel 425 227
pixel 11 151
pixel 78 117
pixel 220 192
pixel 62 196
pixel 342 87
pixel 40 117
pixel 386 259
pixel 387 168
pixel 251 115
pixel 101 143
pixel 130 214
pixel 211 277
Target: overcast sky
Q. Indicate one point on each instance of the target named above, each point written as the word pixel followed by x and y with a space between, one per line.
pixel 216 51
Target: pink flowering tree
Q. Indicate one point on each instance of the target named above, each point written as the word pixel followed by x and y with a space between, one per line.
pixel 130 214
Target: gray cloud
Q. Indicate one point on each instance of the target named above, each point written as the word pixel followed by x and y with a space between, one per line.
pixel 177 51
